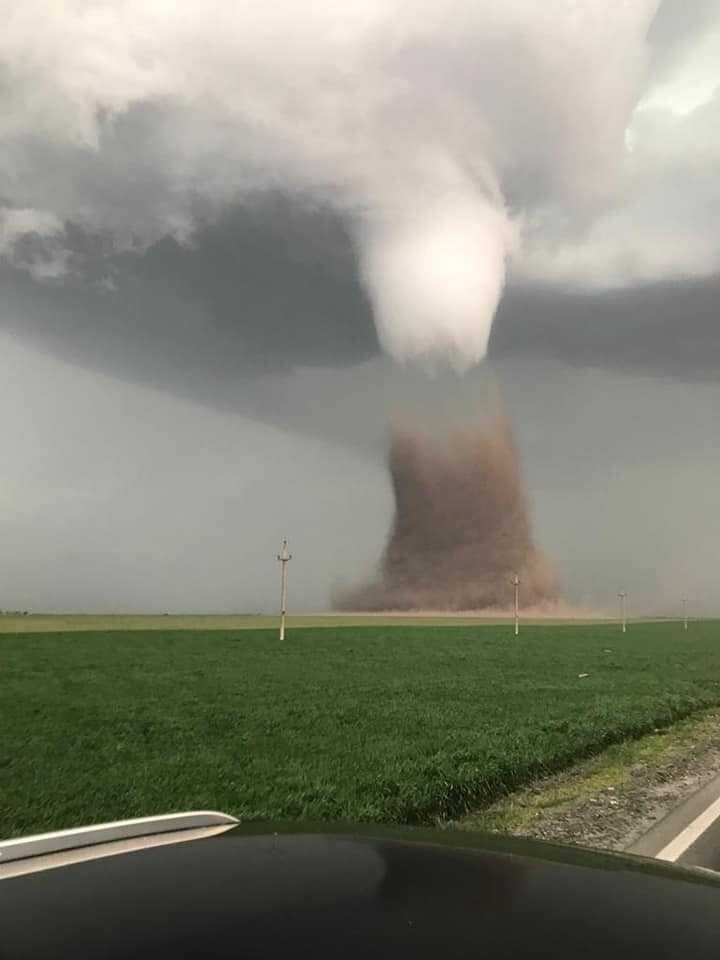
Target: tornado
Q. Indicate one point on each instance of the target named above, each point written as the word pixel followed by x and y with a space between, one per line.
pixel 462 526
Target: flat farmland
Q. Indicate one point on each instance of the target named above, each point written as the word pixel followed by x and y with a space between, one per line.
pixel 394 722
pixel 73 622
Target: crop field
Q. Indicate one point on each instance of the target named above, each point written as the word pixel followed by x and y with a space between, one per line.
pixel 394 723
pixel 53 622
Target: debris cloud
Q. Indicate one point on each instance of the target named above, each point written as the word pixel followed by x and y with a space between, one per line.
pixel 462 526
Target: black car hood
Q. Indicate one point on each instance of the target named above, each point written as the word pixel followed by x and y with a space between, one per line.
pixel 267 891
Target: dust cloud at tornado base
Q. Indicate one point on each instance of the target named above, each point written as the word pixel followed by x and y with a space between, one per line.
pixel 462 526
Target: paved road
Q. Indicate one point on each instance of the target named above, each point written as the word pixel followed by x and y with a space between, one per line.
pixel 689 835
pixel 705 852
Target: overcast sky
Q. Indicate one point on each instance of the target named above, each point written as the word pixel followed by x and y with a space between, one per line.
pixel 232 242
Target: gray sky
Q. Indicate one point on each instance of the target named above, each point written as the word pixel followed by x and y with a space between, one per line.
pixel 203 262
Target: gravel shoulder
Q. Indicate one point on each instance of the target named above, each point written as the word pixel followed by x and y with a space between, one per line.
pixel 612 799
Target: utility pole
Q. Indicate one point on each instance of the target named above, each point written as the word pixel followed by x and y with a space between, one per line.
pixel 284 557
pixel 516 584
pixel 684 603
pixel 622 595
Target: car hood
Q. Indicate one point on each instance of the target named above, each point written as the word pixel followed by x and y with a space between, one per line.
pixel 270 890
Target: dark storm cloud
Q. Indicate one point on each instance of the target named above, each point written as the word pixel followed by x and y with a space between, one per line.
pixel 661 329
pixel 273 285
pixel 254 262
pixel 433 131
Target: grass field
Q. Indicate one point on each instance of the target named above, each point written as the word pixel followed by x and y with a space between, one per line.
pixel 399 723
pixel 75 622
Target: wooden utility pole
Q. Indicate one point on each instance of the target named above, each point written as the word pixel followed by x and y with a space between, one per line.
pixel 284 557
pixel 516 584
pixel 622 595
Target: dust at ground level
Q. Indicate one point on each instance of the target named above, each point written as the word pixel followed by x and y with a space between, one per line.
pixel 613 799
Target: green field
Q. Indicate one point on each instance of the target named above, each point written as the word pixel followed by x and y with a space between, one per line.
pixel 74 622
pixel 400 723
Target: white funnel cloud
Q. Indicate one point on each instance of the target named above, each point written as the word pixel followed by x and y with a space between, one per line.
pixel 136 116
pixel 436 275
